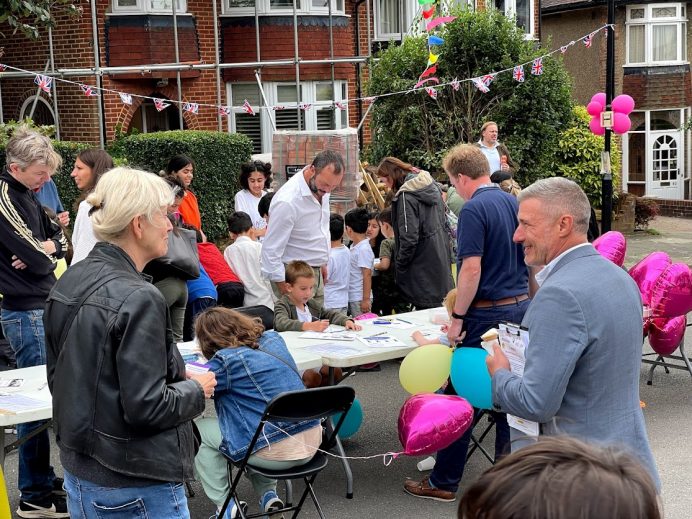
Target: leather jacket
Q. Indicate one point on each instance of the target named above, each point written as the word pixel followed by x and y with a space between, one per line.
pixel 120 394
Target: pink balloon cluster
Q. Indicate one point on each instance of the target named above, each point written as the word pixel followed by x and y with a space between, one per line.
pixel 612 246
pixel 430 422
pixel 622 106
pixel 666 288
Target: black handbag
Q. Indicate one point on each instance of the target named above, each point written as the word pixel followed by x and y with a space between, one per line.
pixel 182 258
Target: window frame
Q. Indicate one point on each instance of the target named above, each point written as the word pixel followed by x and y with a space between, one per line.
pixel 410 12
pixel 264 9
pixel 510 12
pixel 308 95
pixel 141 8
pixel 649 22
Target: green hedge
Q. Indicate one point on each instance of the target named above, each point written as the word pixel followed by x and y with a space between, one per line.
pixel 217 157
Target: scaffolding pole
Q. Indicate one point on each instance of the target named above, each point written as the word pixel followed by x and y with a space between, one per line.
pixel 99 78
pixel 297 62
pixel 216 63
pixel 177 60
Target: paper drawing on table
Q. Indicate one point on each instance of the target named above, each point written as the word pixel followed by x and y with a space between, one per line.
pixel 381 340
pixel 333 350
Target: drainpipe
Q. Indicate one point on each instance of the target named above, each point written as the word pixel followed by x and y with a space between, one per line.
pixel 356 52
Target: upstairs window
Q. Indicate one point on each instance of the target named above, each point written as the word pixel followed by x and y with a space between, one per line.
pixel 522 10
pixel 656 34
pixel 149 6
pixel 393 18
pixel 283 7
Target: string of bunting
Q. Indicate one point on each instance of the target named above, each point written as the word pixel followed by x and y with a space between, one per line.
pixel 482 83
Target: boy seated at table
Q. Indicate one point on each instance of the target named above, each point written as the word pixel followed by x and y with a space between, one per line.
pixel 449 302
pixel 297 311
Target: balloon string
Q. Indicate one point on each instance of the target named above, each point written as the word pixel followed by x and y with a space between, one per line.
pixel 387 457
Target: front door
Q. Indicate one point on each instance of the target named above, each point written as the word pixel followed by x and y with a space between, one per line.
pixel 664 172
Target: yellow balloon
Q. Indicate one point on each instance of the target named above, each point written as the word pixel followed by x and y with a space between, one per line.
pixel 4 501
pixel 426 368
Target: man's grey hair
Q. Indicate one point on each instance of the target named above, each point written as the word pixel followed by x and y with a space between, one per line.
pixel 327 157
pixel 26 147
pixel 560 196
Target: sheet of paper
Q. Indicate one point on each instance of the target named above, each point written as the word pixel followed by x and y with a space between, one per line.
pixel 18 403
pixel 336 335
pixel 334 349
pixel 513 342
pixel 10 383
pixel 196 368
pixel 381 341
pixel 399 324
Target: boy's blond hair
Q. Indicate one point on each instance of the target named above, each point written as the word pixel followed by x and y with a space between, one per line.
pixel 298 269
pixel 450 300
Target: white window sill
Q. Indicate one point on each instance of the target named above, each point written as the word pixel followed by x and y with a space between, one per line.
pixel 657 64
pixel 141 13
pixel 232 14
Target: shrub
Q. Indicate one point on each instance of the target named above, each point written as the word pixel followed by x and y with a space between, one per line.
pixel 578 156
pixel 645 210
pixel 217 158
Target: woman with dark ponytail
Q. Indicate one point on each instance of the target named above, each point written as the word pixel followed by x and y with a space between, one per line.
pixel 254 176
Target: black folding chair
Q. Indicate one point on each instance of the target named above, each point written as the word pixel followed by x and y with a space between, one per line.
pixel 296 406
pixel 261 311
pixel 478 442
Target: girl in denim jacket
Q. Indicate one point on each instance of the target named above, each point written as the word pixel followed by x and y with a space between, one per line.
pixel 251 367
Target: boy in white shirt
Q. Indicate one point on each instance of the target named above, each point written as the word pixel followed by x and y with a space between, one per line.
pixel 338 267
pixel 362 258
pixel 243 256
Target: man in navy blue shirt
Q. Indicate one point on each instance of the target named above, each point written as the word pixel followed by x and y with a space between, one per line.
pixel 492 287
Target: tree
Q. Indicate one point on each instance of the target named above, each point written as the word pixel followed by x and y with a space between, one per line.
pixel 419 129
pixel 30 16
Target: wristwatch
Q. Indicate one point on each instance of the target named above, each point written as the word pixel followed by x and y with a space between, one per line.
pixel 458 316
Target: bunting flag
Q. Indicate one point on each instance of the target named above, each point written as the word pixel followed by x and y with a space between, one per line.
pixel 370 99
pixel 3 67
pixel 193 108
pixel 429 71
pixel 439 21
pixel 587 41
pixel 518 73
pixel 480 85
pixel 455 84
pixel 305 106
pixel 44 82
pixel 563 49
pixel 247 108
pixel 276 108
pixel 160 105
pixel 431 92
pixel 488 78
pixel 537 67
pixel 435 40
pixel 89 91
pixel 125 98
pixel 340 105
pixel 432 59
pixel 225 110
pixel 429 12
pixel 423 81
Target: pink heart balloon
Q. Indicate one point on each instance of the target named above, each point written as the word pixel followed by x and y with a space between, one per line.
pixel 665 335
pixel 430 422
pixel 671 294
pixel 623 104
pixel 595 126
pixel 647 271
pixel 599 98
pixel 594 108
pixel 621 123
pixel 612 246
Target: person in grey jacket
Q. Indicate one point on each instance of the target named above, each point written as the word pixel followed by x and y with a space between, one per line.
pixel 423 253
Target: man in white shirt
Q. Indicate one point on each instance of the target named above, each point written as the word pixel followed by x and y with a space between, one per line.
pixel 299 227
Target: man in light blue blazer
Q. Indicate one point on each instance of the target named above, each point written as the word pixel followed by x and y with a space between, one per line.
pixel 581 376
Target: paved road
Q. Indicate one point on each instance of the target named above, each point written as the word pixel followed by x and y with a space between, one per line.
pixel 378 490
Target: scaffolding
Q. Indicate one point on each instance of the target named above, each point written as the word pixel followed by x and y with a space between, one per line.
pixel 296 61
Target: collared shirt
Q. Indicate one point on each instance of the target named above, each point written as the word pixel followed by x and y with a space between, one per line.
pixel 243 256
pixel 492 155
pixel 543 274
pixel 298 229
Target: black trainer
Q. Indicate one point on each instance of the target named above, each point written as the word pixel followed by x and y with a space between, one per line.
pixel 57 487
pixel 51 508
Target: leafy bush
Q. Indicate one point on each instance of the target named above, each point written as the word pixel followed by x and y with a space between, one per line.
pixel 217 158
pixel 645 210
pixel 578 156
pixel 419 129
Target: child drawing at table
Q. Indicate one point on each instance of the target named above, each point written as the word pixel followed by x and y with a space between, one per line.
pixel 448 303
pixel 251 367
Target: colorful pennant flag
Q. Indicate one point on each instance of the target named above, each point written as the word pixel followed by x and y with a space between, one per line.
pixel 428 14
pixel 537 67
pixel 44 82
pixel 480 85
pixel 432 59
pixel 160 105
pixel 439 21
pixel 435 40
pixel 518 73
pixel 247 108
pixel 193 108
pixel 125 98
pixel 225 110
pixel 89 91
pixel 431 92
pixel 429 71
pixel 455 84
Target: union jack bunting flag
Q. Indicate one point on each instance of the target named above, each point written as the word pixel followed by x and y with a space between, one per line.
pixel 44 82
pixel 3 67
pixel 480 85
pixel 455 84
pixel 125 98
pixel 563 49
pixel 304 106
pixel 340 105
pixel 587 41
pixel 537 67
pixel 247 108
pixel 225 110
pixel 193 108
pixel 518 73
pixel 369 99
pixel 278 107
pixel 160 105
pixel 488 78
pixel 431 92
pixel 89 91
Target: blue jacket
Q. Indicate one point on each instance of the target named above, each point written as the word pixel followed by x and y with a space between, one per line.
pixel 202 286
pixel 246 380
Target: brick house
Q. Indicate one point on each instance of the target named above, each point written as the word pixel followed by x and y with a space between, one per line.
pixel 332 41
pixel 651 65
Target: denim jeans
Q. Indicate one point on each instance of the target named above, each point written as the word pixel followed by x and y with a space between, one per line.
pixel 451 461
pixel 24 331
pixel 87 500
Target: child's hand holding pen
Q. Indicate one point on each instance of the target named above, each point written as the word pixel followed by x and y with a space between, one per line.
pixel 317 325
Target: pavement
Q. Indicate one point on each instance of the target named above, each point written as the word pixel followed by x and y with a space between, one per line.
pixel 378 486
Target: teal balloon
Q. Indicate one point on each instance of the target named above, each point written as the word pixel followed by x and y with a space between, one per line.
pixel 470 377
pixel 435 40
pixel 352 422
